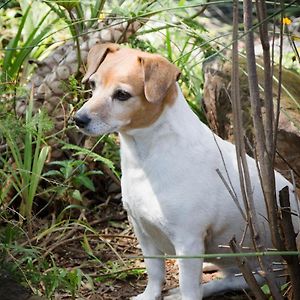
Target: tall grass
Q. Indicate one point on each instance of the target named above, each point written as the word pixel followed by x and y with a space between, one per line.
pixel 25 44
pixel 29 153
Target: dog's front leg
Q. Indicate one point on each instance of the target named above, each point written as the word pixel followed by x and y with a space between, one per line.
pixel 155 267
pixel 190 270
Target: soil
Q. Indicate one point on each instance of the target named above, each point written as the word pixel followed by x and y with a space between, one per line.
pixel 107 253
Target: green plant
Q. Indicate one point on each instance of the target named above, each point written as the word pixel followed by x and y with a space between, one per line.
pixel 72 174
pixel 25 264
pixel 80 151
pixel 73 12
pixel 29 153
pixel 114 270
pixel 24 46
pixel 55 278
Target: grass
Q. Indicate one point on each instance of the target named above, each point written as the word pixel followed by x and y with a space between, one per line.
pixel 29 155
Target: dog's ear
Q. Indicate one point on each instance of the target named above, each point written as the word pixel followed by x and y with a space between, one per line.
pixel 159 75
pixel 96 56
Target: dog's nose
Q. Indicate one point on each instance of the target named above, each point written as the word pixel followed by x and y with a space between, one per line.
pixel 81 120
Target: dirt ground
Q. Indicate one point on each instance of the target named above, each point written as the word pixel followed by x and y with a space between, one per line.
pixel 102 245
pixel 116 274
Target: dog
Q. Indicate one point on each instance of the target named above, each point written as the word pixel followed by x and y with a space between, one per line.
pixel 175 199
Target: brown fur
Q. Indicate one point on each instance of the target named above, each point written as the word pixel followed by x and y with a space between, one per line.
pixel 151 90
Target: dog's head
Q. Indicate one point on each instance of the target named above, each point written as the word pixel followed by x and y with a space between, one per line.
pixel 130 89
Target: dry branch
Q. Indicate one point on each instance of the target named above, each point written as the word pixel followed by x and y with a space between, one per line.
pixel 293 262
pixel 266 166
pixel 247 272
pixel 245 182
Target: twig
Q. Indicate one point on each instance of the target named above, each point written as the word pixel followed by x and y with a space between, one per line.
pixel 244 175
pixel 268 74
pixel 279 81
pixel 232 194
pixel 293 262
pixel 247 272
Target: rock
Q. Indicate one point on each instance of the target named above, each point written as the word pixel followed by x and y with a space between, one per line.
pixel 10 289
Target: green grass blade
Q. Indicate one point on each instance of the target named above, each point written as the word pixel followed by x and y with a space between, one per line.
pixel 168 44
pixel 11 50
pixel 96 11
pixel 36 174
pixel 27 164
pixel 80 16
pixel 61 13
pixel 30 43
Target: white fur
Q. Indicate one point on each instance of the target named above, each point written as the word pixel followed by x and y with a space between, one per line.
pixel 176 200
pixel 174 197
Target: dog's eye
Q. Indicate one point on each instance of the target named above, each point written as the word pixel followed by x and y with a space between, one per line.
pixel 121 95
pixel 92 84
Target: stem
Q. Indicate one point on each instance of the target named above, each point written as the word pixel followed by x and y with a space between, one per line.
pixel 290 242
pixel 266 167
pixel 76 38
pixel 247 271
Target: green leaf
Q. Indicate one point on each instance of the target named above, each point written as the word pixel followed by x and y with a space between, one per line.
pixel 76 195
pixel 85 181
pixel 37 169
pixel 86 245
pixel 52 173
pixel 12 46
pixel 91 154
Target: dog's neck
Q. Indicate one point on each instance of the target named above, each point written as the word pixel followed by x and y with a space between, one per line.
pixel 170 125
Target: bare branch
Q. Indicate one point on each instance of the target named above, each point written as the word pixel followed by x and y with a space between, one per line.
pixel 293 262
pixel 247 272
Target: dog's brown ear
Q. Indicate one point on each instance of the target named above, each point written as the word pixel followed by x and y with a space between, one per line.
pixel 159 75
pixel 96 56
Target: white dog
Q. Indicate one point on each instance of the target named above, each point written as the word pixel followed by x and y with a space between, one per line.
pixel 174 197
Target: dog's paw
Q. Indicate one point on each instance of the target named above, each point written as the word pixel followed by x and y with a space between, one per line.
pixel 145 297
pixel 173 294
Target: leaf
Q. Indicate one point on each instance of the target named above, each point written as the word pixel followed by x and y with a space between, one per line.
pixel 36 173
pixel 76 195
pixel 266 290
pixel 12 46
pixel 51 173
pixel 91 154
pixel 85 181
pixel 119 225
pixel 86 246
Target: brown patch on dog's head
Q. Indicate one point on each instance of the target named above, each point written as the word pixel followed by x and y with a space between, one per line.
pixel 96 56
pixel 148 79
pixel 157 89
pixel 159 75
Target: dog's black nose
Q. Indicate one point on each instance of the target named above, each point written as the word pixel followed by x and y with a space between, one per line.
pixel 81 120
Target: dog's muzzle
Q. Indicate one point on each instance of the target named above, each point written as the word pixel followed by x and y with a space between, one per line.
pixel 81 120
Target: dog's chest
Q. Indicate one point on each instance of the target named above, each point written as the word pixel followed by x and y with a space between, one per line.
pixel 142 204
pixel 138 196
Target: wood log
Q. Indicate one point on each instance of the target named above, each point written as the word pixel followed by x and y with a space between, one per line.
pixel 218 109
